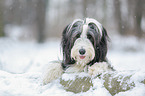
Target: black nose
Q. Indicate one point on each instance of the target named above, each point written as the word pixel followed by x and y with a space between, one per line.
pixel 82 51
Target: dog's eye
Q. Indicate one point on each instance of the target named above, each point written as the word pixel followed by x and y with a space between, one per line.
pixel 75 25
pixel 78 35
pixel 91 26
pixel 75 36
pixel 90 38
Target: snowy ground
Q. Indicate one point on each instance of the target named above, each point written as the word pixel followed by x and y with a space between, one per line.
pixel 22 65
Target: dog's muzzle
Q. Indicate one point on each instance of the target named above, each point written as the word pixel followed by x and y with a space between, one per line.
pixel 83 50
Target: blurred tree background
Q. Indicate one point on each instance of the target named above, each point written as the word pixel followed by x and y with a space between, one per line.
pixel 43 19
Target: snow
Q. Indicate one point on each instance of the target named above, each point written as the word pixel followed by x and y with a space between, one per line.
pixel 22 65
pixel 66 76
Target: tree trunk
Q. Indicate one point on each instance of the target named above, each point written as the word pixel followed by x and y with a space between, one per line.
pixel 118 18
pixel 105 11
pixel 138 17
pixel 84 8
pixel 1 19
pixel 41 10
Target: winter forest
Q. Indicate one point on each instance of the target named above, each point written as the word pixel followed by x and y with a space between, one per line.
pixel 43 19
pixel 30 37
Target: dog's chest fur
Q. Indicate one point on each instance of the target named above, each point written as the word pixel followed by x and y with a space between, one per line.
pixel 75 68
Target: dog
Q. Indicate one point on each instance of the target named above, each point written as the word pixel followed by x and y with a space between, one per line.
pixel 84 48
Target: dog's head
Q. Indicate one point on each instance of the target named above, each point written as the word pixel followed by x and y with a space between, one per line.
pixel 85 42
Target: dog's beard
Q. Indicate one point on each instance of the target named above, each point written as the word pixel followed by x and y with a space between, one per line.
pixel 89 54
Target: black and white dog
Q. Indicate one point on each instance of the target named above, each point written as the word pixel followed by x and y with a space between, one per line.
pixel 84 47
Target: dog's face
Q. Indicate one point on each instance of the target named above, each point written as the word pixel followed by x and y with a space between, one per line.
pixel 82 51
pixel 84 42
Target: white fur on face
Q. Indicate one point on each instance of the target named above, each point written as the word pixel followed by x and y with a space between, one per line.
pixel 84 43
pixel 84 31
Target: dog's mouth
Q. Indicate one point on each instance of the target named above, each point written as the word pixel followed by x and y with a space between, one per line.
pixel 82 57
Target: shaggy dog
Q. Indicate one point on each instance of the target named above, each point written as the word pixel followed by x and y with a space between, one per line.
pixel 84 47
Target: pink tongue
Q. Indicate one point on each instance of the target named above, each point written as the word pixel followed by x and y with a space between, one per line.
pixel 82 57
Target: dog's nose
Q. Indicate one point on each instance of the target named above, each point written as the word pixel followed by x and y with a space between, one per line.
pixel 82 51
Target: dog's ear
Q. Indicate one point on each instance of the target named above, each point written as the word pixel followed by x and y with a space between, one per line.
pixel 103 45
pixel 66 47
pixel 64 42
pixel 64 38
pixel 101 48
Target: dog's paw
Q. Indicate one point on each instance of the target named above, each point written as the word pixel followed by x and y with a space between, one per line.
pixel 98 68
pixel 53 72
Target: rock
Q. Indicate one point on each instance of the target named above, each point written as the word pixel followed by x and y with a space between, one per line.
pixel 77 84
pixel 114 82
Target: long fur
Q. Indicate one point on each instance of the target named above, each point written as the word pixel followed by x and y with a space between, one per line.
pixel 92 37
pixel 54 70
pixel 73 32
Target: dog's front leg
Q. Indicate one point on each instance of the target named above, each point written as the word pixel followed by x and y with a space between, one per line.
pixel 53 72
pixel 98 68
